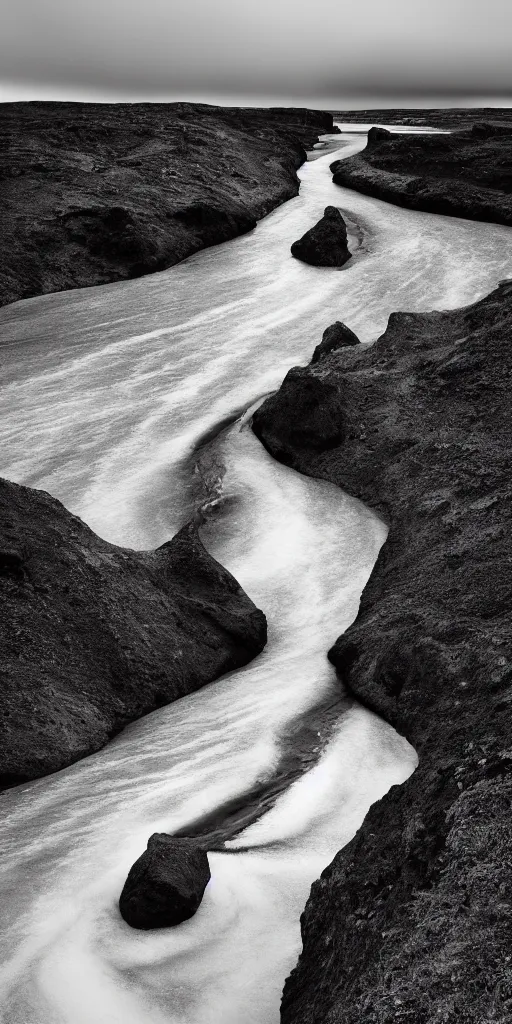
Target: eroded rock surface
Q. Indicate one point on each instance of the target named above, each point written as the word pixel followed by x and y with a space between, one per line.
pixel 166 884
pixel 411 921
pixel 92 636
pixel 337 335
pixel 325 244
pixel 97 192
pixel 463 174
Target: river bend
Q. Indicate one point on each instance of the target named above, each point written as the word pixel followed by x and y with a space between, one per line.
pixel 106 391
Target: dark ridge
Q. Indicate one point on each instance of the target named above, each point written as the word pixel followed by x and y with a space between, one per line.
pixel 411 920
pixel 92 636
pixel 96 192
pixel 462 174
pixel 447 118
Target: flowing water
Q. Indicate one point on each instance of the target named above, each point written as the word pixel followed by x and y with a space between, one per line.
pixel 106 393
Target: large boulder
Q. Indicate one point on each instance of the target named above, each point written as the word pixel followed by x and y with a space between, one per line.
pixel 166 884
pixel 325 244
pixel 306 414
pixel 338 335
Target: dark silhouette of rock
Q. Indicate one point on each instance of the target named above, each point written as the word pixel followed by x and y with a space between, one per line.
pixel 317 423
pixel 412 917
pixel 98 192
pixel 464 174
pixel 92 636
pixel 377 135
pixel 166 884
pixel 325 244
pixel 338 335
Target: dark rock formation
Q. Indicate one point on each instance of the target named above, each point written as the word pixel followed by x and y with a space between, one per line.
pixel 325 244
pixel 411 921
pixel 166 884
pixel 93 636
pixel 338 335
pixel 464 174
pixel 96 192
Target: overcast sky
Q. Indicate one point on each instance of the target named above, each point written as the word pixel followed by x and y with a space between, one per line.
pixel 325 52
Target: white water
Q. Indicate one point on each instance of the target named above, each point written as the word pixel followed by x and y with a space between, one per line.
pixel 107 390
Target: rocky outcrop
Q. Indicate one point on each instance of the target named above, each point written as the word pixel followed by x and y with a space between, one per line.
pixel 411 920
pixel 93 636
pixel 463 174
pixel 166 884
pixel 338 335
pixel 97 192
pixel 325 244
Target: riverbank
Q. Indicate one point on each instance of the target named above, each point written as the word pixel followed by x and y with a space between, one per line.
pixel 95 192
pixel 110 394
pixel 445 118
pixel 462 174
pixel 94 636
pixel 410 921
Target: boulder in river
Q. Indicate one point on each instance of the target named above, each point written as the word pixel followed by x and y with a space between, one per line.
pixel 166 884
pixel 338 335
pixel 325 244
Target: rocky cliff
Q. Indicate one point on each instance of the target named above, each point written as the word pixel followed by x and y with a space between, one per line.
pixel 93 636
pixel 411 921
pixel 95 192
pixel 464 174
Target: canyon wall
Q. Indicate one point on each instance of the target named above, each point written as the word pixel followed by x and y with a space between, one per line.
pixel 96 192
pixel 411 921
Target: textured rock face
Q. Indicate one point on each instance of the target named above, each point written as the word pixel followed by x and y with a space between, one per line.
pixel 465 174
pixel 325 244
pixel 411 920
pixel 93 636
pixel 338 335
pixel 96 192
pixel 166 884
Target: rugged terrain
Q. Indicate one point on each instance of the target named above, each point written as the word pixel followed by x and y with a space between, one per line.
pixel 94 192
pixel 93 636
pixel 448 118
pixel 464 174
pixel 411 921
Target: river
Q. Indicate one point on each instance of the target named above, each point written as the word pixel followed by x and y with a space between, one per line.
pixel 106 393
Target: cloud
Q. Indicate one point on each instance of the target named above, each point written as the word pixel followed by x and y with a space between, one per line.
pixel 274 47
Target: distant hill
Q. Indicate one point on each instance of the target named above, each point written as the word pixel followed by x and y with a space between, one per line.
pixel 434 117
